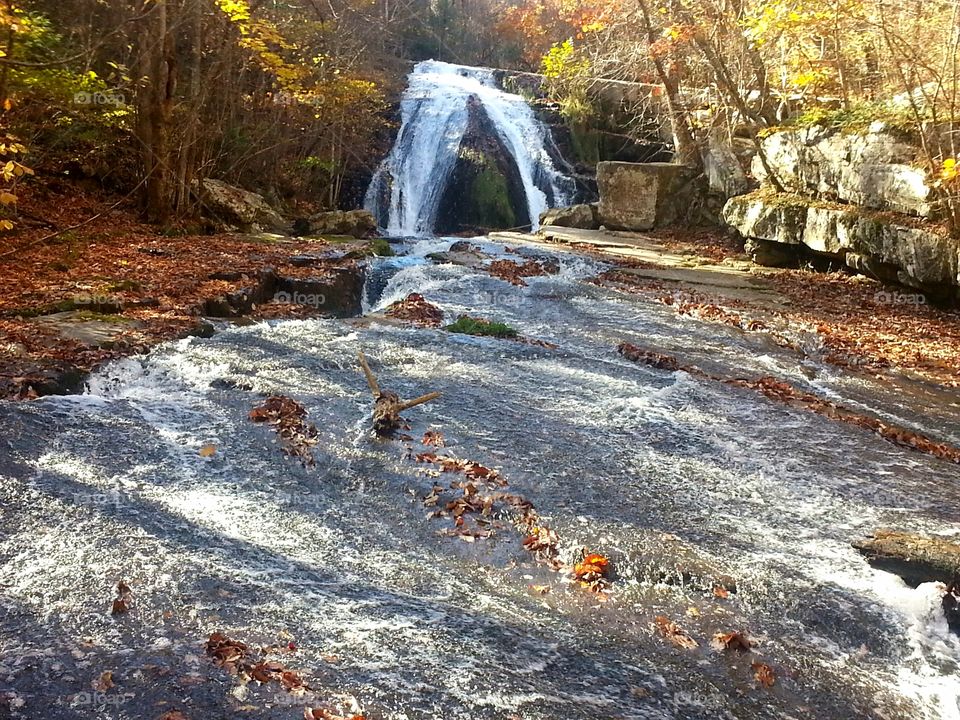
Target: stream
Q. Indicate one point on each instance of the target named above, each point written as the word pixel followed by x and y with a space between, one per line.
pixel 387 615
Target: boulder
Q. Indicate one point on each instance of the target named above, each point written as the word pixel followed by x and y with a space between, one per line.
pixel 644 196
pixel 585 217
pixel 923 254
pixel 878 168
pixel 241 208
pixel 355 223
pixel 778 219
pixel 916 558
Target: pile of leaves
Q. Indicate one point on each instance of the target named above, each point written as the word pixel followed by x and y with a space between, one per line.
pixel 288 418
pixel 593 572
pixel 648 357
pixel 414 308
pixel 239 659
pixel 789 395
pixel 514 272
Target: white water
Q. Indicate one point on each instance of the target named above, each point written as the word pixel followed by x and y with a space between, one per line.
pixel 434 120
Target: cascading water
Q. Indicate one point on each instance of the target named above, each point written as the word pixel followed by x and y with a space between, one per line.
pixel 406 190
pixel 339 568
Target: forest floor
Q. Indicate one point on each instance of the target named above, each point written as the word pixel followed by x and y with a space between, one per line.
pixel 115 287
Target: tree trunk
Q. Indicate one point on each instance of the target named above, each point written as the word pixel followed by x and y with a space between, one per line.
pixel 155 105
pixel 687 150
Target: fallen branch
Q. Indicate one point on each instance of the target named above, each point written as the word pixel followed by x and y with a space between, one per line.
pixel 388 405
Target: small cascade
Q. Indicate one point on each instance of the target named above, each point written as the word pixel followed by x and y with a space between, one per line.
pixel 407 191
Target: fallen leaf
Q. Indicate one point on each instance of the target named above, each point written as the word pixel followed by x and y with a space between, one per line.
pixel 674 633
pixel 763 674
pixel 104 682
pixel 208 451
pixel 731 641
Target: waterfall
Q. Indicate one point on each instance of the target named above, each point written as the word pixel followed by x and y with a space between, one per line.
pixel 406 190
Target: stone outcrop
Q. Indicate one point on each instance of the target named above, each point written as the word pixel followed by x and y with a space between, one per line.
pixel 352 223
pixel 584 217
pixel 246 211
pixel 336 291
pixel 879 169
pixel 921 255
pixel 644 196
pixel 859 199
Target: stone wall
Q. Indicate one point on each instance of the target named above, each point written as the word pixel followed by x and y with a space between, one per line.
pixel 859 198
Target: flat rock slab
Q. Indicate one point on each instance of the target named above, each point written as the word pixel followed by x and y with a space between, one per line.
pixel 915 558
pixel 88 329
pixel 738 280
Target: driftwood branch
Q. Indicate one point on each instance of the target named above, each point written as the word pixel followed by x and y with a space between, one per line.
pixel 388 405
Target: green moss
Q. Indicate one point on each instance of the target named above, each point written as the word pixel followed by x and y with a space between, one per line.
pixel 858 118
pixel 90 316
pixel 381 248
pixel 467 325
pixel 586 142
pixel 490 200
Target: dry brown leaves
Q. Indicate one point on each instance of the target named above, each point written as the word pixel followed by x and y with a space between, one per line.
pixel 433 438
pixel 324 714
pixel 857 329
pixel 103 682
pixel 514 272
pixel 481 501
pixel 162 281
pixel 414 308
pixel 239 659
pixel 674 633
pixel 173 715
pixel 124 600
pixel 731 641
pixel 287 417
pixel 789 395
pixel 471 469
pixel 763 674
pixel 592 572
pixel 647 357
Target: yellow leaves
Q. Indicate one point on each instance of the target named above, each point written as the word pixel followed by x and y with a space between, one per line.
pixel 6 225
pixel 14 170
pixel 950 171
pixel 561 61
pixel 208 451
pixel 7 198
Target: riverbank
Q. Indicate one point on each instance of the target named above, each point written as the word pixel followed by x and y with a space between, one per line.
pixel 113 287
pixel 836 317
